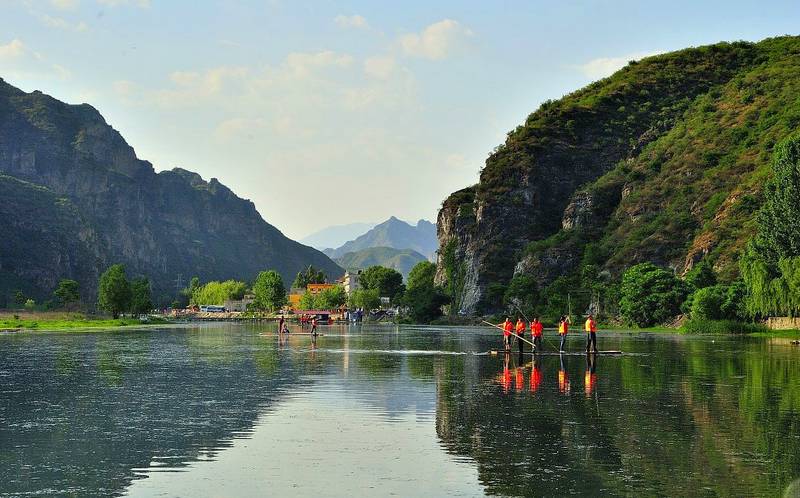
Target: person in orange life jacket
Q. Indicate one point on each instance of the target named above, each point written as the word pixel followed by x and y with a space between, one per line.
pixel 507 327
pixel 519 329
pixel 536 332
pixel 591 333
pixel 590 378
pixel 563 330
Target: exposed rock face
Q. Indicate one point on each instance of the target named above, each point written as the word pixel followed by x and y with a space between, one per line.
pixel 161 225
pixel 578 167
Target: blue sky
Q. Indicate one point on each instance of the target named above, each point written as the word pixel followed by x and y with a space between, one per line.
pixel 326 112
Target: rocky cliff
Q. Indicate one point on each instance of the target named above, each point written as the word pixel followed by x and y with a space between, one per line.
pixel 662 161
pixel 103 205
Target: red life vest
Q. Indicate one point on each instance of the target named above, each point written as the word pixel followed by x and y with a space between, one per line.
pixel 507 326
pixel 536 329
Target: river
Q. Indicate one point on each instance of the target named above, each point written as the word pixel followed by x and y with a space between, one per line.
pixel 222 410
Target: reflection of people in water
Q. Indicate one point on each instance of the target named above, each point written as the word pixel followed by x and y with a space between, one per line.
pixel 536 376
pixel 590 378
pixel 506 378
pixel 519 379
pixel 563 378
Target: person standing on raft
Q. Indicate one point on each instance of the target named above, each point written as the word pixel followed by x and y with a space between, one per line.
pixel 507 326
pixel 591 333
pixel 314 326
pixel 563 330
pixel 519 329
pixel 536 333
pixel 280 325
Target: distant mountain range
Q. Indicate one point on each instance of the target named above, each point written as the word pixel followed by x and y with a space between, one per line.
pixel 335 236
pixel 396 234
pixel 402 260
pixel 74 199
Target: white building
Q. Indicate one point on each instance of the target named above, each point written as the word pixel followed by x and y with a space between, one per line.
pixel 350 282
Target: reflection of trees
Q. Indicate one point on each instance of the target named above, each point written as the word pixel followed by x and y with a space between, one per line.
pixel 128 399
pixel 682 421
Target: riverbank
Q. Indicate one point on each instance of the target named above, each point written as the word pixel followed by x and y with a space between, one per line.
pixel 24 320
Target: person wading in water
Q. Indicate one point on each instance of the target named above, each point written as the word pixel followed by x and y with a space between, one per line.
pixel 519 329
pixel 536 333
pixel 591 333
pixel 563 330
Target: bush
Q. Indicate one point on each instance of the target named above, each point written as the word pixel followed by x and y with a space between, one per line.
pixel 650 295
pixel 707 303
pixel 694 326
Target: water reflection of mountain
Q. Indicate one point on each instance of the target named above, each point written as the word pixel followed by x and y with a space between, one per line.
pixel 692 418
pixel 80 413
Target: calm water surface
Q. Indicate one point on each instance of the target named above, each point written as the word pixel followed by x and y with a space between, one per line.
pixel 224 411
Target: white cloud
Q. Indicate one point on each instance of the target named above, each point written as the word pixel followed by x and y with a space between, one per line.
pixel 64 4
pixel 354 21
pixel 59 23
pixel 61 72
pixel 303 63
pixel 13 49
pixel 239 128
pixel 606 66
pixel 436 41
pixel 381 66
pixel 116 3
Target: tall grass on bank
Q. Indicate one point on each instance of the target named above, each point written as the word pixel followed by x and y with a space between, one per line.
pixel 721 327
pixel 63 320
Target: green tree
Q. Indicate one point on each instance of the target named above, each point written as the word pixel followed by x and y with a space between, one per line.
pixel 366 299
pixel 141 300
pixel 333 298
pixel 650 295
pixel 269 291
pixel 309 276
pixel 707 303
pixel 67 293
pixel 423 298
pixel 770 266
pixel 216 293
pixel 387 281
pixel 30 304
pixel 522 292
pixel 19 298
pixel 701 275
pixel 114 291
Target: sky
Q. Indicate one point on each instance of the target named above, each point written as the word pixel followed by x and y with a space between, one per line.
pixel 326 113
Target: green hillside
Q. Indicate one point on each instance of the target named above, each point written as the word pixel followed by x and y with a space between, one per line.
pixel 664 161
pixel 402 260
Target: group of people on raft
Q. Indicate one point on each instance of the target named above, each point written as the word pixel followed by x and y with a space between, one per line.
pixel 510 329
pixel 283 328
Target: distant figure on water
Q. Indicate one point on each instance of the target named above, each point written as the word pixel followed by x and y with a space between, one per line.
pixel 563 330
pixel 507 328
pixel 281 324
pixel 591 333
pixel 314 326
pixel 536 333
pixel 519 329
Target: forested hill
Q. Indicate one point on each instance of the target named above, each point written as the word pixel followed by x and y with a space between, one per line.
pixel 76 199
pixel 664 161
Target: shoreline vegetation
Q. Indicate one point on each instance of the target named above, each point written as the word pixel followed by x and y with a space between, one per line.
pixel 24 321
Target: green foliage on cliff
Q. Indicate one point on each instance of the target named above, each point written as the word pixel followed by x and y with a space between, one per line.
pixel 650 295
pixel 665 161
